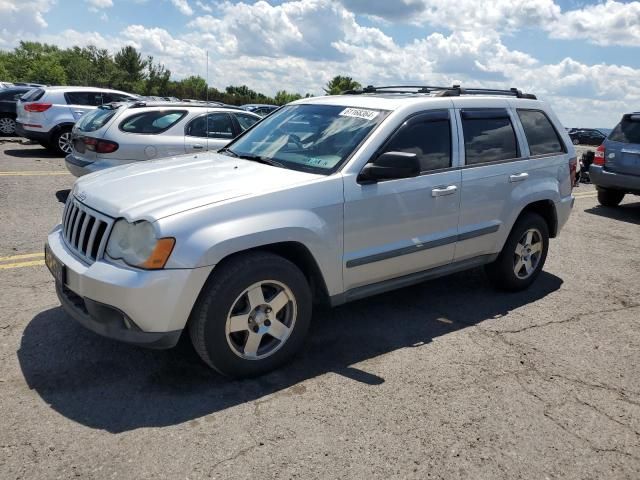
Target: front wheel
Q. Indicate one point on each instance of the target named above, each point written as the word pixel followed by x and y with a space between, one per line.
pixel 523 254
pixel 7 125
pixel 609 198
pixel 252 316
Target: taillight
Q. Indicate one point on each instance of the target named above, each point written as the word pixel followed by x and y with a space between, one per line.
pixel 598 158
pixel 37 107
pixel 573 166
pixel 100 146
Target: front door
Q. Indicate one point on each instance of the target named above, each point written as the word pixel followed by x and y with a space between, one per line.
pixel 210 131
pixel 397 227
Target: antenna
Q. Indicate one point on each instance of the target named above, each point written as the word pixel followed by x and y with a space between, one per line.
pixel 206 96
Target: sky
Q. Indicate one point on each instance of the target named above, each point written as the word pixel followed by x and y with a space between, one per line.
pixel 583 57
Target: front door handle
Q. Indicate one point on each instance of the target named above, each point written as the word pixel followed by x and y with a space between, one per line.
pixel 197 146
pixel 441 191
pixel 518 177
pixel 79 112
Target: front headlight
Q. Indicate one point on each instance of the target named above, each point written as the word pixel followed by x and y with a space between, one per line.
pixel 136 244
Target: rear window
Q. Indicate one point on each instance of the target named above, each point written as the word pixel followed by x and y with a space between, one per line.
pixel 151 123
pixel 32 95
pixel 541 136
pixel 95 119
pixel 488 136
pixel 628 130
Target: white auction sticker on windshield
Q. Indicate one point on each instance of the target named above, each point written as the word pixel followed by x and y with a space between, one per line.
pixel 359 113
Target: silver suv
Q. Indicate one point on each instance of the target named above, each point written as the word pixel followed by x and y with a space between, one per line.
pixel 327 200
pixel 47 114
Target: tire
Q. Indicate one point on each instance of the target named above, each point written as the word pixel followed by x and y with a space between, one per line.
pixel 61 141
pixel 7 125
pixel 506 272
pixel 245 347
pixel 610 198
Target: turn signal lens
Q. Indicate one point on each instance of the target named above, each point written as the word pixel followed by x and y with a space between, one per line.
pixel 160 254
pixel 598 158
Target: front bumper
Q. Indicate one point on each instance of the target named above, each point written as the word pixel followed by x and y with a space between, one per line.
pixel 37 136
pixel 143 307
pixel 601 177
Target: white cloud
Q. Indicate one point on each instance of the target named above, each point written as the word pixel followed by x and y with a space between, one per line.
pixel 183 6
pixel 95 4
pixel 610 23
pixel 20 18
pixel 204 7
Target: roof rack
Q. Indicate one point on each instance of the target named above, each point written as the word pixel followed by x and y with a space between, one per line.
pixel 453 91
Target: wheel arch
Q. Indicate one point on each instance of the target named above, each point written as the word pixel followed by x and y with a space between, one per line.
pixel 547 210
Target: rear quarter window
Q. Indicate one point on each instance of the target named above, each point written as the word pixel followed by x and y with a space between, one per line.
pixel 152 123
pixel 627 131
pixel 541 135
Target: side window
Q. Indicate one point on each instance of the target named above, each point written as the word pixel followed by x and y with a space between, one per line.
pixel 428 136
pixel 488 136
pixel 213 125
pixel 245 121
pixel 93 99
pixel 109 97
pixel 541 136
pixel 151 123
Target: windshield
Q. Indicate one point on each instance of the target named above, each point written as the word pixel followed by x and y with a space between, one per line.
pixel 96 119
pixel 317 138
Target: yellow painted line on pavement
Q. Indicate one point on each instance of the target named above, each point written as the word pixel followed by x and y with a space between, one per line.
pixel 34 263
pixel 33 173
pixel 586 195
pixel 22 260
pixel 21 256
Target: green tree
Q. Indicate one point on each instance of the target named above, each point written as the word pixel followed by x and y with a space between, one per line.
pixel 339 84
pixel 157 78
pixel 282 97
pixel 131 68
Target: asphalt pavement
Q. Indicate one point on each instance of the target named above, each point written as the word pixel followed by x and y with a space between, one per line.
pixel 444 380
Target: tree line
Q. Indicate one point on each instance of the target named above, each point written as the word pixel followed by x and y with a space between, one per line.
pixel 130 71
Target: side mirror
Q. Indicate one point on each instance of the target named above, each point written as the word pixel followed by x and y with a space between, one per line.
pixel 390 166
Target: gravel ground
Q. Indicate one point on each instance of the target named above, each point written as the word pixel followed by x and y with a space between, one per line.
pixel 448 379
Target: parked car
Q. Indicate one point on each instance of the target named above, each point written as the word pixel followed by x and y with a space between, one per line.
pixel 47 114
pixel 615 170
pixel 119 133
pixel 8 100
pixel 260 109
pixel 327 200
pixel 6 85
pixel 586 136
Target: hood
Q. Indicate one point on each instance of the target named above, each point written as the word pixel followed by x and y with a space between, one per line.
pixel 155 189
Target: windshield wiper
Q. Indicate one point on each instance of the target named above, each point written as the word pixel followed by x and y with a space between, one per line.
pixel 229 151
pixel 259 159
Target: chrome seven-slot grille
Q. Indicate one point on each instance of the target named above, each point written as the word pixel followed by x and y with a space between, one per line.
pixel 85 231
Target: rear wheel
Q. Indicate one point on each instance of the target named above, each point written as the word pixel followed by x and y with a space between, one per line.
pixel 252 315
pixel 609 198
pixel 523 254
pixel 7 125
pixel 61 141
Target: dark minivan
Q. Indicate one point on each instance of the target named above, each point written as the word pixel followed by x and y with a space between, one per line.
pixel 8 99
pixel 616 166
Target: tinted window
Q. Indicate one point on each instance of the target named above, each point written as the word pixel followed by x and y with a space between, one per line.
pixel 84 98
pixel 95 119
pixel 245 121
pixel 541 135
pixel 488 136
pixel 213 125
pixel 430 140
pixel 152 122
pixel 628 130
pixel 116 97
pixel 12 93
pixel 33 95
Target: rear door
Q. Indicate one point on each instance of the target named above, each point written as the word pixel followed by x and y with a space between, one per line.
pixel 209 131
pixel 622 148
pixel 493 168
pixel 81 102
pixel 149 134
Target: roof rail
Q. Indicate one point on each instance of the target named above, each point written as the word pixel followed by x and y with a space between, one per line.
pixel 453 91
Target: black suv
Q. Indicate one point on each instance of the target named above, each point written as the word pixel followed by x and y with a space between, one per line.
pixel 8 99
pixel 587 136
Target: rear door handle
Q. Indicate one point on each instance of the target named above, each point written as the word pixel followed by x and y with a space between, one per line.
pixel 441 191
pixel 518 177
pixel 79 112
pixel 197 146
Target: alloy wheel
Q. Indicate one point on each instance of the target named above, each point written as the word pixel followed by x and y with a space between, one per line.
pixel 7 126
pixel 64 142
pixel 528 253
pixel 261 320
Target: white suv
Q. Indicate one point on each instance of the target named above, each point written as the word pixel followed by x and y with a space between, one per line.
pixel 120 133
pixel 329 199
pixel 47 114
